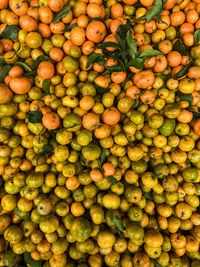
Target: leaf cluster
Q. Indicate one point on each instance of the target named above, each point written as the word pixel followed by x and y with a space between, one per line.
pixel 34 116
pixel 10 32
pixel 125 53
pixel 153 12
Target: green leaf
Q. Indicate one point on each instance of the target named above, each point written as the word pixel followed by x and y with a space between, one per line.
pixel 112 180
pixel 198 209
pixel 10 32
pixel 4 72
pixel 7 246
pixel 108 54
pixel 101 61
pixel 135 105
pixel 30 261
pixel 147 195
pixel 127 78
pixel 187 97
pixel 122 43
pixel 24 65
pixel 98 19
pixel 179 46
pixel 138 4
pixel 70 127
pixel 143 91
pixel 86 215
pixel 61 14
pixel 22 214
pixel 180 231
pixel 38 60
pixel 141 18
pixel 108 44
pixel 103 156
pixel 95 57
pixel 69 27
pixel 14 54
pixel 123 29
pixel 30 73
pixel 35 116
pixel 182 72
pixel 137 63
pixel 47 149
pixel 156 264
pixel 154 11
pixel 45 85
pixel 164 78
pixel 83 160
pixel 129 143
pixel 11 259
pixel 128 252
pixel 113 69
pixel 150 52
pixel 196 114
pixel 131 43
pixel 101 90
pixel 54 132
pixel 177 31
pixel 118 223
pixel 1 62
pixel 197 37
pixel 81 261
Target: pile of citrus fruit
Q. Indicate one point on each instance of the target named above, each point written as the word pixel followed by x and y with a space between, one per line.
pixel 99 133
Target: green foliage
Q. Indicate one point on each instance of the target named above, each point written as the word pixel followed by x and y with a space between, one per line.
pixel 61 14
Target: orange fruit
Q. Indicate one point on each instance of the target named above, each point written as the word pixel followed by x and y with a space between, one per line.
pixel 78 36
pixel 169 4
pixel 114 25
pixel 45 14
pixel 144 79
pixel 20 85
pixel 148 97
pixel 133 92
pixel 51 120
pixel 16 71
pixel 72 183
pixel 118 77
pixel 19 7
pixel 109 169
pixel 146 3
pixel 116 11
pixel 27 23
pixel 96 31
pixel 111 38
pixel 174 58
pixel 45 70
pixel 94 10
pixel 185 116
pixel 57 28
pixel 56 54
pixel 44 30
pixel 5 94
pixel 111 116
pixel 55 5
pixel 96 175
pixel 4 4
pixel 90 121
pixel 197 126
pixel 177 18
